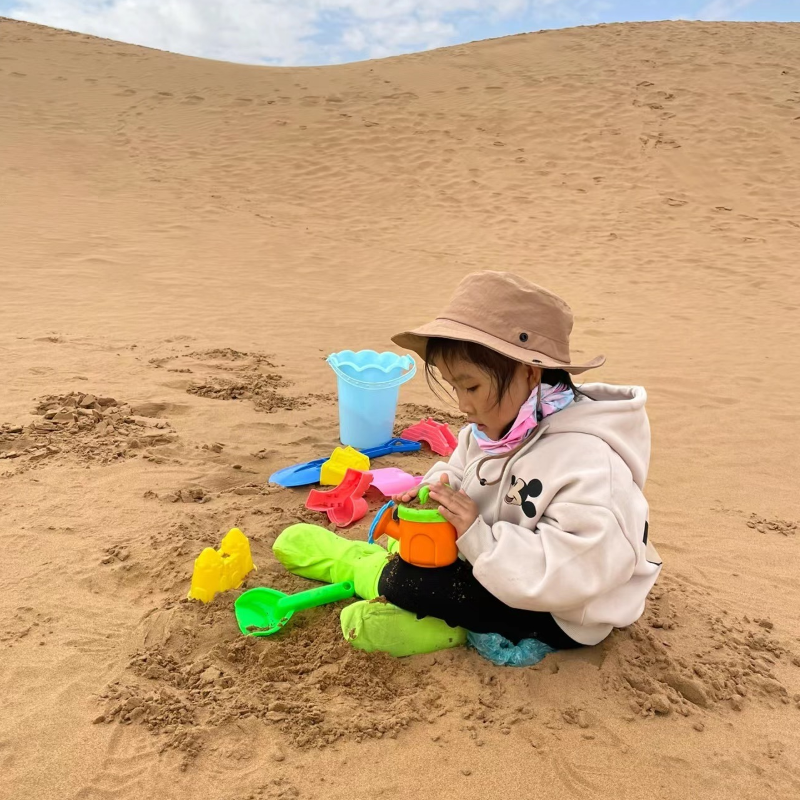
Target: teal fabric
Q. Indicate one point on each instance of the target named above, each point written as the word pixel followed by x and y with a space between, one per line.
pixel 501 651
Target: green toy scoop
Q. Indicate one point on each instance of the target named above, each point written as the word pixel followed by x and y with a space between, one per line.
pixel 263 611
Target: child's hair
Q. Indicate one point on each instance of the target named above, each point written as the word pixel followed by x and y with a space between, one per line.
pixel 500 368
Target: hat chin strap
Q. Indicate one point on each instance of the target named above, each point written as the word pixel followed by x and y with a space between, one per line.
pixel 510 455
pixel 518 449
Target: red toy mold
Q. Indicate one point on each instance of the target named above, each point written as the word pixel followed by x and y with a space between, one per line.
pixel 436 434
pixel 345 504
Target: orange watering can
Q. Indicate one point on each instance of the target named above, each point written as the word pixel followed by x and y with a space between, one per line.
pixel 426 538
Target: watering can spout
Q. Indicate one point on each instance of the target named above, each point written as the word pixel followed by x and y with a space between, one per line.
pixel 384 522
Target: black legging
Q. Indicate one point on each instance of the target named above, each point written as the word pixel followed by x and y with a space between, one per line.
pixel 453 594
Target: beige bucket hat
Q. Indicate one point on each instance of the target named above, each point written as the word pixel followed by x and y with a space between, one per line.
pixel 509 315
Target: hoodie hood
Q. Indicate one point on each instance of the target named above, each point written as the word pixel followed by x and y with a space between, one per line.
pixel 615 414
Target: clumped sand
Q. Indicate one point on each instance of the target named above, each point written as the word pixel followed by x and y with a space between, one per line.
pixel 186 240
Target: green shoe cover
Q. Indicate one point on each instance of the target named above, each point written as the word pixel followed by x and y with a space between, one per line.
pixel 386 628
pixel 322 555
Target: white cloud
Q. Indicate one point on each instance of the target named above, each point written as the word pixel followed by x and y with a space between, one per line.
pixel 288 31
pixel 238 30
pixel 722 9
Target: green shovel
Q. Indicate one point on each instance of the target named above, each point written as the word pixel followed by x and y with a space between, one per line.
pixel 263 611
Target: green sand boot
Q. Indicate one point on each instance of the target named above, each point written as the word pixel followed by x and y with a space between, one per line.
pixel 320 554
pixel 380 626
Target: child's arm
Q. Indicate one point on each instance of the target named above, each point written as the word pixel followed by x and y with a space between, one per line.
pixel 454 467
pixel 582 546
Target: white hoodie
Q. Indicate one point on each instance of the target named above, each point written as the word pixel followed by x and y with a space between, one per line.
pixel 563 522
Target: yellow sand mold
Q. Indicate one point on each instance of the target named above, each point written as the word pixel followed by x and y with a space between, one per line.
pixel 342 459
pixel 223 569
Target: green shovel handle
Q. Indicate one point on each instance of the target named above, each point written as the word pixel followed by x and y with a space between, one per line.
pixel 312 598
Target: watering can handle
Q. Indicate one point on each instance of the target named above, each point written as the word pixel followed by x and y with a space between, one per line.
pixel 373 529
pixel 312 598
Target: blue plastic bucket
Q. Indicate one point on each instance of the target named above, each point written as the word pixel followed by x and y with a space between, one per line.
pixel 369 384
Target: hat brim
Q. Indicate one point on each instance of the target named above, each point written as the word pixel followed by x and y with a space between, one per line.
pixel 417 342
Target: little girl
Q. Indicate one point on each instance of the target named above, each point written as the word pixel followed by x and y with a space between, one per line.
pixel 544 491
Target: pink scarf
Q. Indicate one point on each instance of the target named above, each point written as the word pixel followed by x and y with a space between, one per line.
pixel 553 398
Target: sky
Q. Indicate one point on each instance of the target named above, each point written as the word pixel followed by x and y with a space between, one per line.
pixel 310 32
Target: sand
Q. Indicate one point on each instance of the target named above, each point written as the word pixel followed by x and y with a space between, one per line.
pixel 183 243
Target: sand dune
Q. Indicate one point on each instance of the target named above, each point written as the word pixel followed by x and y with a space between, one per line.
pixel 185 240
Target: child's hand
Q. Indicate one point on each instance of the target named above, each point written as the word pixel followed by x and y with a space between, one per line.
pixel 456 507
pixel 406 497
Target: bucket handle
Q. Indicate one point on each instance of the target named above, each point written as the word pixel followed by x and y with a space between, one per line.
pixel 374 386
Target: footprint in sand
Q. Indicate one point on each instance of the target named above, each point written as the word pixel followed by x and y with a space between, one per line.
pixel 6 754
pixel 155 410
pixel 784 527
pixel 401 96
pixel 127 769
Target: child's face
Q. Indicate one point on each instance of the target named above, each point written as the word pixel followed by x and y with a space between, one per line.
pixel 477 396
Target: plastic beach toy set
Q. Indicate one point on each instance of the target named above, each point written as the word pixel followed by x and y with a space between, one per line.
pixel 368 385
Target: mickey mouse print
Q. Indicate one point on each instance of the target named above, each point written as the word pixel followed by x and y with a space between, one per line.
pixel 522 493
